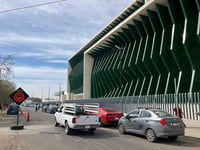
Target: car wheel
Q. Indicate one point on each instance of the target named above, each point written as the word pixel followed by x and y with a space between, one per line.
pixel 102 125
pixel 151 136
pixel 55 122
pixel 121 129
pixel 68 130
pixel 173 138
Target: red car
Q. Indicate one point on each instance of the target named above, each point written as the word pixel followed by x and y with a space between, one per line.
pixel 109 116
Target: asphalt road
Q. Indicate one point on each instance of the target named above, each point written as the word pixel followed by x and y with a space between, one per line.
pixel 40 134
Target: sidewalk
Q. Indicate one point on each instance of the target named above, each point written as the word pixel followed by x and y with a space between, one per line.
pixel 2 112
pixel 193 129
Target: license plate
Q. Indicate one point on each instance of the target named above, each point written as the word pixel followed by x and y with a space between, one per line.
pixel 116 118
pixel 175 124
pixel 87 127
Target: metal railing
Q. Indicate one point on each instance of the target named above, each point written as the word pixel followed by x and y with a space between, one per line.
pixel 188 102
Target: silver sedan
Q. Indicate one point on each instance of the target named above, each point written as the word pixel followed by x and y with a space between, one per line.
pixel 152 123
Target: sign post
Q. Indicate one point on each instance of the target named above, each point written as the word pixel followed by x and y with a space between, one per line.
pixel 18 97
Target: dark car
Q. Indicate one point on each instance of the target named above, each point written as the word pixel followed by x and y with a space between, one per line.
pixel 44 108
pixel 13 110
pixel 52 109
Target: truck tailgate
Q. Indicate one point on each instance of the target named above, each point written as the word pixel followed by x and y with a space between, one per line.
pixel 87 120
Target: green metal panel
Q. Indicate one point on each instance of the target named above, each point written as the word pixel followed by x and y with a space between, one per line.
pixel 160 50
pixel 190 40
pixel 76 78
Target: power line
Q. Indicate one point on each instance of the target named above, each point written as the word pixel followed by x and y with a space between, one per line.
pixel 31 6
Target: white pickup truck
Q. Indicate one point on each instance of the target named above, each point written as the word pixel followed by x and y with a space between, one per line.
pixel 77 117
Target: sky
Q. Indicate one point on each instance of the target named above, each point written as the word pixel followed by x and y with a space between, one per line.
pixel 43 38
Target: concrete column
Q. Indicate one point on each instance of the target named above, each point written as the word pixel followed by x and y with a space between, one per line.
pixel 68 85
pixel 87 70
pixel 146 1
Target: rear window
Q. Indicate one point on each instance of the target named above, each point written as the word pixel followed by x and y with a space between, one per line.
pixel 13 107
pixel 110 110
pixel 161 114
pixel 53 106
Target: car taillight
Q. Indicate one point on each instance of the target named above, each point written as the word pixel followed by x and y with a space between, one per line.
pixel 163 122
pixel 73 120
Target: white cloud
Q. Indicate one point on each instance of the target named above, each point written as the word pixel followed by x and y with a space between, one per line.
pixel 58 61
pixel 41 88
pixel 48 54
pixel 42 72
pixel 50 34
pixel 11 37
pixel 34 80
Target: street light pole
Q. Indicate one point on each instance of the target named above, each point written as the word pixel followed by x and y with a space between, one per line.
pixel 120 71
pixel 176 91
pixel 49 94
pixel 120 65
pixel 59 91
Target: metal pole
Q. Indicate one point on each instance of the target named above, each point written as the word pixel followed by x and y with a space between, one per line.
pixel 176 91
pixel 18 116
pixel 120 71
pixel 59 91
pixel 49 94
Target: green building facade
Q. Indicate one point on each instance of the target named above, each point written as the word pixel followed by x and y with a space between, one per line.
pixel 151 48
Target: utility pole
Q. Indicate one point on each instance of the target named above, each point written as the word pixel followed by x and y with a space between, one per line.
pixel 49 94
pixel 59 91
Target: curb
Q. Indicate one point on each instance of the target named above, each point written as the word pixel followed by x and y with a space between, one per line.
pixel 2 113
pixel 196 139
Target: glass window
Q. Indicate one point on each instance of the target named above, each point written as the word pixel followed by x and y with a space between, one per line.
pixel 134 114
pixel 161 113
pixel 145 114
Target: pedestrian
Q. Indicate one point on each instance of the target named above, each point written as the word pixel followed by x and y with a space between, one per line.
pixel 178 112
pixel 36 108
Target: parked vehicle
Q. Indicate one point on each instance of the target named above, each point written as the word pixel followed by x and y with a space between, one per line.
pixel 77 117
pixel 44 108
pixel 13 110
pixel 52 109
pixel 109 116
pixel 152 123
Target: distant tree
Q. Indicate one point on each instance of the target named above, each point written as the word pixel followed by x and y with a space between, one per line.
pixel 6 64
pixel 7 88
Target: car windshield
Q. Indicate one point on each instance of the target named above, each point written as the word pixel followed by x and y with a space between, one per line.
pixel 110 110
pixel 161 113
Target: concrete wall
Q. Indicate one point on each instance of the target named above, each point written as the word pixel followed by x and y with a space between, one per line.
pixel 88 64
